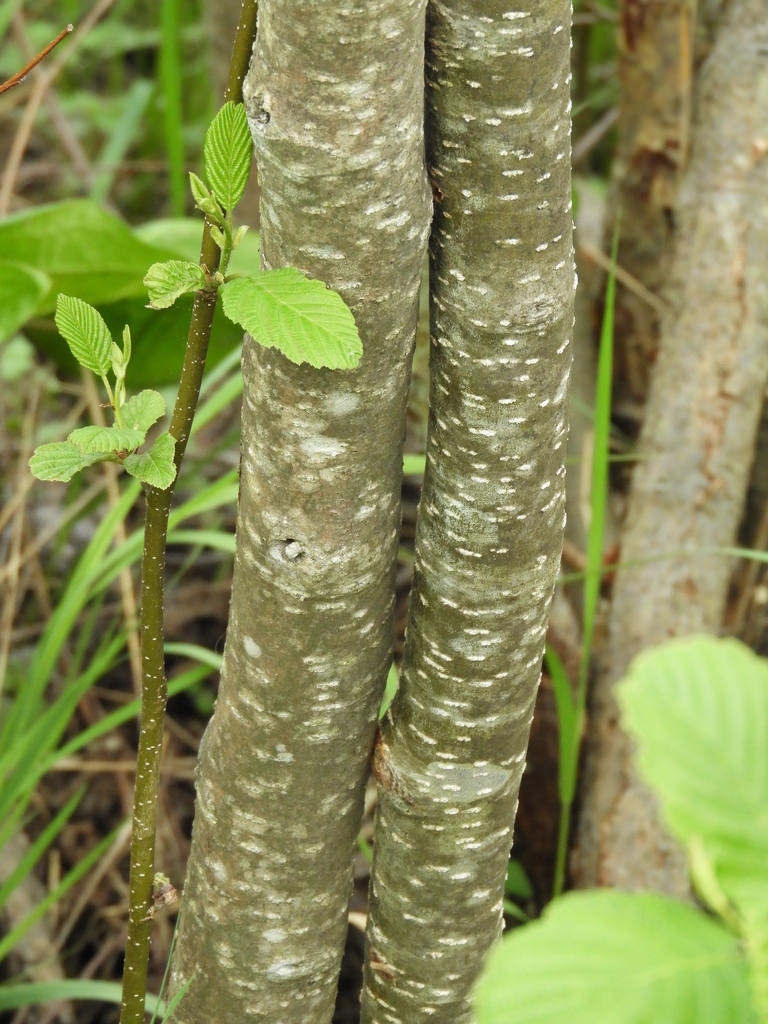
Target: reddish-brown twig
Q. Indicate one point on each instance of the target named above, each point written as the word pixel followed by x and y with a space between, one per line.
pixel 21 75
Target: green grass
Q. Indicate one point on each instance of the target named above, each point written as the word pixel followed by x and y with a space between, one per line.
pixel 39 712
pixel 38 993
pixel 171 86
pixel 571 711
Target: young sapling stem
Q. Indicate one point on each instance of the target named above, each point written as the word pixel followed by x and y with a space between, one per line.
pixel 154 686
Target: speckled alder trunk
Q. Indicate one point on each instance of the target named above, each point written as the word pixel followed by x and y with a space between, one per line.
pixel 451 752
pixel 335 103
pixel 697 443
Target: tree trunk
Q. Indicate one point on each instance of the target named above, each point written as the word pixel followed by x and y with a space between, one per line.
pixel 655 74
pixel 697 443
pixel 451 752
pixel 335 102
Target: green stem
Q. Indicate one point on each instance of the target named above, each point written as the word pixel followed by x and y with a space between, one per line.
pixel 226 252
pixel 241 51
pixel 153 683
pixel 111 397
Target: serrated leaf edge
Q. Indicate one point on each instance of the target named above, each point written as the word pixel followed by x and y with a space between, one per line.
pixel 227 154
pixel 334 315
pixel 72 316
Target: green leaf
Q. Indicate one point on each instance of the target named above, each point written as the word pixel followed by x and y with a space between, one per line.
pixel 302 318
pixel 127 345
pixel 218 236
pixel 756 942
pixel 21 288
pixel 227 153
pixel 200 191
pixel 204 199
pixel 141 411
pixel 698 709
pixel 17 357
pixel 82 249
pixel 616 958
pixel 60 461
pixel 84 330
pixel 239 235
pixel 390 690
pixel 167 281
pixel 518 884
pixel 414 465
pixel 155 467
pixel 117 361
pixel 106 439
pixel 159 337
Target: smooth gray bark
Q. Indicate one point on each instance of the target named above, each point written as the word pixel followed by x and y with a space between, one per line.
pixel 697 442
pixel 335 103
pixel 451 752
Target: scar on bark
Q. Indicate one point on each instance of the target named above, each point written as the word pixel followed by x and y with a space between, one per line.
pixel 386 774
pixel 437 193
pixel 381 966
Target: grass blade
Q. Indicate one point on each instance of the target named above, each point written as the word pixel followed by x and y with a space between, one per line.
pixel 170 86
pixel 594 569
pixel 64 990
pixel 24 762
pixel 38 848
pixel 71 878
pixel 59 628
pixel 124 133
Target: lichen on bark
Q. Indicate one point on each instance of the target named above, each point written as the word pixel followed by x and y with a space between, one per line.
pixel 452 750
pixel 335 103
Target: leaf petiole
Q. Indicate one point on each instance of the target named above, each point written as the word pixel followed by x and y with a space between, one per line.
pixel 114 405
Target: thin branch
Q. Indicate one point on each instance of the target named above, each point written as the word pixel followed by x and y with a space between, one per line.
pixel 19 77
pixel 154 684
pixel 45 78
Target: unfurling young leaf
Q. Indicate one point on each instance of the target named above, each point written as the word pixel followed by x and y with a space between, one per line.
pixel 155 467
pixel 227 153
pixel 84 330
pixel 141 411
pixel 218 236
pixel 102 440
pixel 204 199
pixel 126 345
pixel 302 318
pixel 60 461
pixel 118 361
pixel 199 189
pixel 167 281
